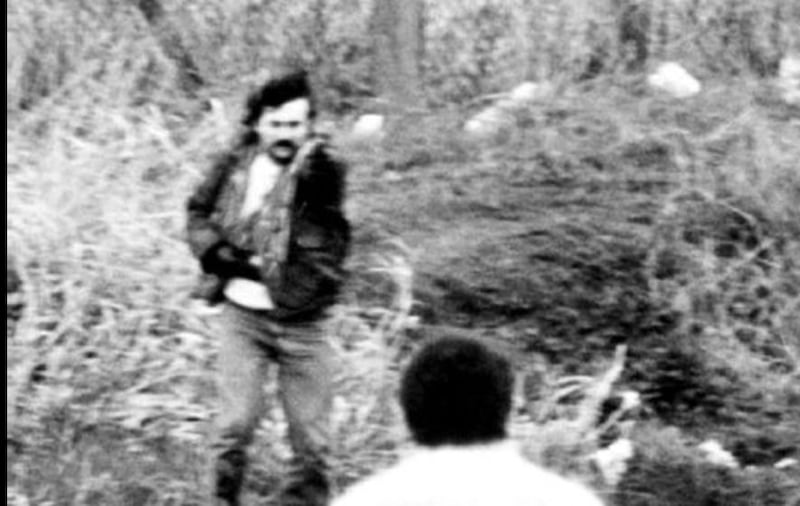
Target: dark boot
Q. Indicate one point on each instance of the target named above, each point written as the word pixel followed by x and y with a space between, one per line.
pixel 229 470
pixel 306 487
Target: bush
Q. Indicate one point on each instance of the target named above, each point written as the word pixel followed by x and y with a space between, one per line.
pixel 666 471
pixel 107 368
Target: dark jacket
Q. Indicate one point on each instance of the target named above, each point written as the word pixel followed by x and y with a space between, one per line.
pixel 309 279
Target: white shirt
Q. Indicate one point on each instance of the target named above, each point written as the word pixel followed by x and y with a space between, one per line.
pixel 480 475
pixel 262 177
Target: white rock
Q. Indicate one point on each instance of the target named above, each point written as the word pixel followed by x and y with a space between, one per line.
pixel 671 78
pixel 612 461
pixel 493 119
pixel 717 455
pixel 529 91
pixel 792 96
pixel 790 67
pixel 488 122
pixel 524 92
pixel 368 126
pixel 630 400
pixel 789 79
pixel 786 463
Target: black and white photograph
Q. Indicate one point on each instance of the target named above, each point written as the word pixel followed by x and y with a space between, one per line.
pixel 403 252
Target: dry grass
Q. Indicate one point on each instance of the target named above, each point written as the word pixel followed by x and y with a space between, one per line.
pixel 109 393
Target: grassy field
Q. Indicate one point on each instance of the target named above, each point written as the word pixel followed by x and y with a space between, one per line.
pixel 608 216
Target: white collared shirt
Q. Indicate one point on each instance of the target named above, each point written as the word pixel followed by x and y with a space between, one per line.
pixel 262 176
pixel 493 474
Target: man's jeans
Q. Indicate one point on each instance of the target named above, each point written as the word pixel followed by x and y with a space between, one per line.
pixel 249 341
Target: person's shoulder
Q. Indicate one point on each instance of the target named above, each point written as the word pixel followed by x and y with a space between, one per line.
pixel 556 489
pixel 412 480
pixel 382 488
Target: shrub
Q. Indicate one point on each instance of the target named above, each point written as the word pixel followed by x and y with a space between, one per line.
pixel 667 471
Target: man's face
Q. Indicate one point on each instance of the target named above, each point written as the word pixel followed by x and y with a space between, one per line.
pixel 284 129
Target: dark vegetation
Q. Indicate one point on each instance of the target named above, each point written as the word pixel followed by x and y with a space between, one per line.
pixel 605 215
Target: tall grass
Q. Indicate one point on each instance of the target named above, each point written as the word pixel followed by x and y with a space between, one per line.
pixel 108 369
pixel 472 48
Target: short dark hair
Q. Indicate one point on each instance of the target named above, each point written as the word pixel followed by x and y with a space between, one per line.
pixel 457 391
pixel 276 92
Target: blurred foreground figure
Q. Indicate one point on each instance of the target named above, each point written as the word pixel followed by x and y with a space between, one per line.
pixel 456 397
pixel 268 228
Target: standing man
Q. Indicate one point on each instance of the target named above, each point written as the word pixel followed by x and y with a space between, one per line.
pixel 268 228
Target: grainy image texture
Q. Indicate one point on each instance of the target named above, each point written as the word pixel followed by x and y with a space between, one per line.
pixel 606 192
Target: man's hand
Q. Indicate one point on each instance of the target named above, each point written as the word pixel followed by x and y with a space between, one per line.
pixel 228 261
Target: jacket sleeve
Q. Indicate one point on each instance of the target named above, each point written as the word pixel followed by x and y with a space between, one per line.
pixel 320 239
pixel 202 232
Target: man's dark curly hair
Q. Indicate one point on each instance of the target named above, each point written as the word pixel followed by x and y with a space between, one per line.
pixel 457 391
pixel 277 91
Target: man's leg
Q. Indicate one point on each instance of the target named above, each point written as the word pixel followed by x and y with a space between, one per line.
pixel 241 369
pixel 305 380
